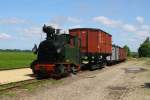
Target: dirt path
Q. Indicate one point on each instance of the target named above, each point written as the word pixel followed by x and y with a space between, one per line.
pixel 8 76
pixel 110 83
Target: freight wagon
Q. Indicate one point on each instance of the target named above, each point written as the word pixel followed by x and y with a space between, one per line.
pixel 118 55
pixel 122 54
pixel 96 45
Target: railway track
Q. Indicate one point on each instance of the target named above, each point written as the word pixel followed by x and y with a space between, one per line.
pixel 19 84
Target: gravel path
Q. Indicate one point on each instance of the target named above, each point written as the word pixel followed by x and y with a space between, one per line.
pixel 8 76
pixel 108 84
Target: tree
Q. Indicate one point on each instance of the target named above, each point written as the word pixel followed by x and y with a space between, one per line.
pixel 127 49
pixel 144 49
pixel 134 54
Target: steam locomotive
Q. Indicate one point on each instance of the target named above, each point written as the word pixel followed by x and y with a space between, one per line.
pixel 83 48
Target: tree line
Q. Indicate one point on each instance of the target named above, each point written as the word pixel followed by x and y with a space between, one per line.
pixel 143 50
pixel 14 50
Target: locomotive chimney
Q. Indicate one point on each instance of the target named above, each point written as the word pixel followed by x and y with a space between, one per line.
pixel 50 31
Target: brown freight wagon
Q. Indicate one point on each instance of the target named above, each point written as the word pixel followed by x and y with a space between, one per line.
pixel 96 44
pixel 122 54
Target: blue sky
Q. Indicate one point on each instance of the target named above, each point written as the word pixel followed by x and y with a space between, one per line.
pixel 21 21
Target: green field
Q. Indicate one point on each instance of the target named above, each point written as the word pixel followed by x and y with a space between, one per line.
pixel 11 60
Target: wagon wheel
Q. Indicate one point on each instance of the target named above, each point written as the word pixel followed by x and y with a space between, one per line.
pixel 104 64
pixel 91 68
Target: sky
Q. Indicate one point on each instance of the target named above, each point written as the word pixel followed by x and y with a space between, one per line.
pixel 21 21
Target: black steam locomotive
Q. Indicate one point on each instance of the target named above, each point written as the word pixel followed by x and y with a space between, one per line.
pixel 58 55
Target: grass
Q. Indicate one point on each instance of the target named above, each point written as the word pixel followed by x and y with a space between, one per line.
pixel 12 60
pixel 9 93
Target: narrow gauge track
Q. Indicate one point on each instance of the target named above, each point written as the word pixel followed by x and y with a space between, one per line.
pixel 9 86
pixel 13 85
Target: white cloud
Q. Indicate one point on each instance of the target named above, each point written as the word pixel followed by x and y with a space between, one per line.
pixel 73 20
pixel 140 19
pixel 56 26
pixel 132 39
pixel 143 33
pixel 145 27
pixel 12 21
pixel 75 26
pixel 32 32
pixel 106 21
pixel 115 23
pixel 142 30
pixel 60 21
pixel 129 28
pixel 4 36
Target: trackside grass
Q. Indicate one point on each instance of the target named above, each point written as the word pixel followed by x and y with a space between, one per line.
pixel 12 60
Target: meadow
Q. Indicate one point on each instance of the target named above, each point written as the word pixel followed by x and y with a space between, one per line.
pixel 13 60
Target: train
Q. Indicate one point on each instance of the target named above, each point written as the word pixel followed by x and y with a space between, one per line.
pixel 82 49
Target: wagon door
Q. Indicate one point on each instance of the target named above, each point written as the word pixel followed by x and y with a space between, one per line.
pixel 84 38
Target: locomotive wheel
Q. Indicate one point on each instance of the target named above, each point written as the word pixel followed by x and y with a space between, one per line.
pixel 61 71
pixel 104 64
pixel 32 66
pixel 74 69
pixel 41 74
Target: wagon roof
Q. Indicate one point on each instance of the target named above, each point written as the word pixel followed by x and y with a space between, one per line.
pixel 96 29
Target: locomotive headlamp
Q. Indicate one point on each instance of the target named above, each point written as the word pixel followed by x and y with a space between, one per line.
pixel 58 50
